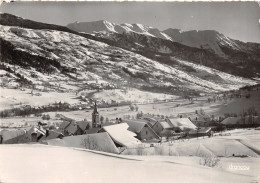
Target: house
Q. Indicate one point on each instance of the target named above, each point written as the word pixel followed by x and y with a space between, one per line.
pixel 51 134
pixel 151 120
pixel 143 130
pixel 199 120
pixel 232 121
pixel 183 124
pixel 160 126
pixel 207 131
pixel 73 129
pixel 247 121
pixel 63 126
pixel 36 133
pixel 121 136
pixel 83 125
pixel 97 141
pixel 13 136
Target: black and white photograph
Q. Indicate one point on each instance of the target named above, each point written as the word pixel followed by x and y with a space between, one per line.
pixel 129 92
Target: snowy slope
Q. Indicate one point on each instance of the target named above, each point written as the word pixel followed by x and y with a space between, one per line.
pixel 207 39
pixel 240 142
pixel 59 164
pixel 92 60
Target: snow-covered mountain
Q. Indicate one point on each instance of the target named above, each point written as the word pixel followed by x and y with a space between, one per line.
pixel 41 54
pixel 105 26
pixel 207 39
pixel 209 47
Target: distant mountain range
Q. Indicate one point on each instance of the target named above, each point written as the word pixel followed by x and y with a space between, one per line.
pixel 208 39
pixel 209 47
pixel 125 55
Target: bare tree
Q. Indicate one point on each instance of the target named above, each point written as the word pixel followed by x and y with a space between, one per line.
pixel 90 143
pixel 209 161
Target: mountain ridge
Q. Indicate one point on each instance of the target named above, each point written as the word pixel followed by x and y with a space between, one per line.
pixel 207 39
pixel 43 53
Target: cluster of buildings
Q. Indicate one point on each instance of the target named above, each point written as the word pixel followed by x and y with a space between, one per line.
pixel 123 133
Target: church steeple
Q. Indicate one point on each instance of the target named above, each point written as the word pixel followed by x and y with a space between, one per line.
pixel 95 108
pixel 95 117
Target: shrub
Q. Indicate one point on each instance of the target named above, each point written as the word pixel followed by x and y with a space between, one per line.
pixel 209 161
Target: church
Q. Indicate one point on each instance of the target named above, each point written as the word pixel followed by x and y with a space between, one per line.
pixel 96 123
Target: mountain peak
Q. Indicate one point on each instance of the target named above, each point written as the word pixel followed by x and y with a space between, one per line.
pixel 105 26
pixel 206 39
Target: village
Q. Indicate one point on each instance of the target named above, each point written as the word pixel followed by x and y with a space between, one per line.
pixel 124 133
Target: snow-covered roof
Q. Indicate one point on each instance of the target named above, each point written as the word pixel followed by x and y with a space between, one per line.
pixel 121 135
pixel 135 126
pixel 52 135
pixel 36 130
pixel 83 124
pixel 64 124
pixel 166 125
pixel 72 128
pixel 231 121
pixel 182 123
pixel 97 141
pixel 7 135
pixel 198 117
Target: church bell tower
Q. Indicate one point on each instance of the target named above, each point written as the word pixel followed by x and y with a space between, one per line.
pixel 95 117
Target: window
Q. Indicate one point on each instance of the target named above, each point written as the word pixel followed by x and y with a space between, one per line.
pixel 146 132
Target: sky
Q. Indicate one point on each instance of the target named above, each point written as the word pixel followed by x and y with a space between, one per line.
pixel 237 20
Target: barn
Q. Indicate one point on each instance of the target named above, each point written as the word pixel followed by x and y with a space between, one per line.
pixel 143 130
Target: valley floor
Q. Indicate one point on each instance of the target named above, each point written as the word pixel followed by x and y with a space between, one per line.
pixel 178 106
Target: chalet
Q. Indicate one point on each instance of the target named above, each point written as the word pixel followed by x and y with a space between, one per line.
pixel 151 120
pixel 183 124
pixel 199 120
pixel 73 129
pixel 51 134
pixel 143 130
pixel 160 126
pixel 83 126
pixel 63 126
pixel 121 136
